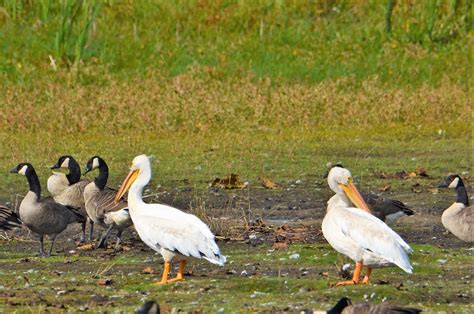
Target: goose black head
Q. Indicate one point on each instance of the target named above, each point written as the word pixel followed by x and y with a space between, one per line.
pixel 452 181
pixel 340 306
pixel 23 168
pixel 93 163
pixel 150 307
pixel 65 161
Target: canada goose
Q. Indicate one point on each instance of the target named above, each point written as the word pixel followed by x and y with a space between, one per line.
pixel 149 307
pixel 8 219
pixel 386 209
pixel 67 189
pixel 345 306
pixel 43 215
pixel 100 205
pixel 165 229
pixel 356 233
pixel 383 208
pixel 459 217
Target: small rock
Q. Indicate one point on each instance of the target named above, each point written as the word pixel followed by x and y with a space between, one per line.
pixel 244 273
pixel 346 267
pixel 294 256
pixel 442 261
pixel 61 292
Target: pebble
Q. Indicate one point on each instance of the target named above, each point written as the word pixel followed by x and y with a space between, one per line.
pixel 294 256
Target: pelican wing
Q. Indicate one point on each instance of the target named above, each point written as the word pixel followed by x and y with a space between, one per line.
pixel 178 232
pixel 374 235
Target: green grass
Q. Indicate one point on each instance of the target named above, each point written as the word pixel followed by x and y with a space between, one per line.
pixel 274 281
pixel 292 41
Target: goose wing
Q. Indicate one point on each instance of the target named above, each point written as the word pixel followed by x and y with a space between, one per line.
pixel 467 219
pixel 73 195
pixel 73 212
pixel 106 204
pixel 177 231
pixel 8 219
pixel 382 207
pixel 374 235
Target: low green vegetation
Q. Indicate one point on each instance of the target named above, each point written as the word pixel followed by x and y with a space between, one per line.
pixel 260 278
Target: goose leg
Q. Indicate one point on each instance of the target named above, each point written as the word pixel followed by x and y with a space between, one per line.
pixel 119 240
pixel 180 275
pixel 41 253
pixel 52 243
pixel 103 239
pixel 164 277
pixel 367 275
pixel 83 234
pixel 91 231
pixel 355 278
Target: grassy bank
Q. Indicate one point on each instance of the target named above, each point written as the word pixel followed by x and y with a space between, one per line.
pixel 283 40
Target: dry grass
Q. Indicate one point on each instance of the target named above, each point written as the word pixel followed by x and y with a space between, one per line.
pixel 193 103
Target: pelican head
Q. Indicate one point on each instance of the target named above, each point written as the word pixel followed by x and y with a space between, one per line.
pixel 141 166
pixel 340 182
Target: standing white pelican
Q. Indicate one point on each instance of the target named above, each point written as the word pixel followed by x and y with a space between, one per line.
pixel 356 233
pixel 165 229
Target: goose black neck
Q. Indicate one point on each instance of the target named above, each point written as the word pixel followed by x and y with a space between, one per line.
pixel 462 193
pixel 101 179
pixel 33 182
pixel 74 174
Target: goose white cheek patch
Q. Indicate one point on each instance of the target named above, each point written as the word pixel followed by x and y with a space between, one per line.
pixel 65 163
pixel 95 163
pixel 454 184
pixel 22 171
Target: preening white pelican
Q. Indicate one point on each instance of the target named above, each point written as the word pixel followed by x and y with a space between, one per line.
pixel 356 233
pixel 165 229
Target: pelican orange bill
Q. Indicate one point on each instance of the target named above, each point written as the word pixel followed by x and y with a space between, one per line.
pixel 131 177
pixel 354 195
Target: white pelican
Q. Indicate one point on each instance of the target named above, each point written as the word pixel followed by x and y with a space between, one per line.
pixel 165 229
pixel 358 234
pixel 459 217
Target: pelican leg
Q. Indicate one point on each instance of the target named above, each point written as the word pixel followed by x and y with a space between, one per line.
pixel 180 275
pixel 355 278
pixel 164 277
pixel 367 275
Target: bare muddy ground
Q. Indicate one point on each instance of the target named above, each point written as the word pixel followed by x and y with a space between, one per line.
pixel 292 275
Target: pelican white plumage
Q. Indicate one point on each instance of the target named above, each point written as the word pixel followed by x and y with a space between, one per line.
pixel 356 233
pixel 165 229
